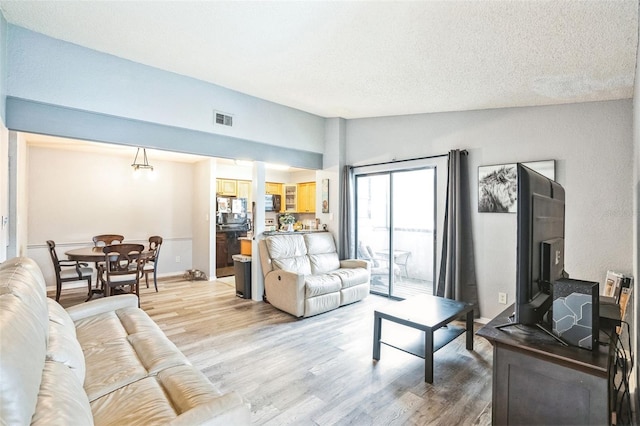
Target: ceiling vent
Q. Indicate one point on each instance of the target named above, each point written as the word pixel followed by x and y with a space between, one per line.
pixel 222 118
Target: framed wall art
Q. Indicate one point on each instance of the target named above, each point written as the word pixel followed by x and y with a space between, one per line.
pixel 325 195
pixel 497 185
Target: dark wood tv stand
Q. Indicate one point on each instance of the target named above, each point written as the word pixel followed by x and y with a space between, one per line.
pixel 536 380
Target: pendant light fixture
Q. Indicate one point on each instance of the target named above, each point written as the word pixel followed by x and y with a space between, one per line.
pixel 144 165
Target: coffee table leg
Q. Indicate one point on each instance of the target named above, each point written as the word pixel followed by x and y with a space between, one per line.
pixel 470 330
pixel 428 355
pixel 377 326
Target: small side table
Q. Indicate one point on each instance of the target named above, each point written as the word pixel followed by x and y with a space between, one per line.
pixel 429 314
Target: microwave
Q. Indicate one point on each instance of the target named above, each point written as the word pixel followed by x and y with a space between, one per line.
pixel 272 203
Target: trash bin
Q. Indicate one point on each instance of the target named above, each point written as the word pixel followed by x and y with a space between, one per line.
pixel 242 269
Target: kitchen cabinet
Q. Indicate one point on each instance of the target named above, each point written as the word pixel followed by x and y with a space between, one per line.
pixel 244 191
pixel 226 187
pixel 290 197
pixel 221 250
pixel 307 197
pixel 272 188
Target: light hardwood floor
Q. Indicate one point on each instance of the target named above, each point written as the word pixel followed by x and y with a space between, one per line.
pixel 318 370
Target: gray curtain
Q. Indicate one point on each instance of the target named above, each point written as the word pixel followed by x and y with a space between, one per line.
pixel 346 250
pixel 457 278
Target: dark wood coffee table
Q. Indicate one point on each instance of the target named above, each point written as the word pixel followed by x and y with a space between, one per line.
pixel 430 314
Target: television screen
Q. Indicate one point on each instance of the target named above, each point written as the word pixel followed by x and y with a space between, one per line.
pixel 540 243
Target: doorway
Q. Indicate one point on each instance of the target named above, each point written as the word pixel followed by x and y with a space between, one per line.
pixel 395 230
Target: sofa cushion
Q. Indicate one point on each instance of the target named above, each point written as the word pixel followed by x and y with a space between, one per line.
pixel 322 252
pixel 135 320
pixel 353 294
pixel 156 352
pixel 323 263
pixel 286 246
pixel 110 366
pixel 300 265
pixel 135 349
pixel 63 345
pixel 319 304
pixel 352 277
pixel 320 243
pixel 316 285
pixel 60 316
pixel 64 348
pixel 24 323
pixel 141 402
pixel 162 399
pixel 61 398
pixel 289 252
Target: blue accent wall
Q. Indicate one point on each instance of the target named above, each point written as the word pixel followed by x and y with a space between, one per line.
pixel 54 72
pixel 37 117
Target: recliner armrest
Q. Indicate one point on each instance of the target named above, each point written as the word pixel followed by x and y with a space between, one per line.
pixel 355 263
pixel 286 291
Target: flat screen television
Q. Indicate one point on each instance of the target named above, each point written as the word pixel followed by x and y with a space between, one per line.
pixel 540 244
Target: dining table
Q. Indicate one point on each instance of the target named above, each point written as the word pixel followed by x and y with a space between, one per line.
pixel 95 255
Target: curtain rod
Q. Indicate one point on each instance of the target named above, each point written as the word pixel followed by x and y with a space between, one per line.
pixel 463 151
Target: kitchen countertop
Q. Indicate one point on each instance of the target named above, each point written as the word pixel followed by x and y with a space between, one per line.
pixel 302 231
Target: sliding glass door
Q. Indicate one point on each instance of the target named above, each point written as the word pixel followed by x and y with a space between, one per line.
pixel 395 223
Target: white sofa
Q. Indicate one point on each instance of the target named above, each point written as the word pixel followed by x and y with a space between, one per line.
pixel 304 276
pixel 103 362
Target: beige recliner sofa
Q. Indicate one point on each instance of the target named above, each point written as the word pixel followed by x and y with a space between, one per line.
pixel 304 276
pixel 103 362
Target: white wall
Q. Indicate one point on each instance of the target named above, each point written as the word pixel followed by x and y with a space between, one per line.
pixel 334 161
pixel 73 196
pixel 4 144
pixel 203 217
pixel 18 197
pixel 636 227
pixel 56 72
pixel 592 144
pixel 3 66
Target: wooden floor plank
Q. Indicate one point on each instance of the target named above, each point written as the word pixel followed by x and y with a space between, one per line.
pixel 318 370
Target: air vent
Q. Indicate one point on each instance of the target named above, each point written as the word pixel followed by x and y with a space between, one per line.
pixel 223 119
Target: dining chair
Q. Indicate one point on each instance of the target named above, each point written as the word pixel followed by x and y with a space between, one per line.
pixel 107 239
pixel 151 264
pixel 122 268
pixel 101 241
pixel 68 271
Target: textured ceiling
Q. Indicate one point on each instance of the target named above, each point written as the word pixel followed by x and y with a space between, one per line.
pixel 367 59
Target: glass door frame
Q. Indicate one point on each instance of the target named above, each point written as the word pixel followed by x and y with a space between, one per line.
pixel 390 172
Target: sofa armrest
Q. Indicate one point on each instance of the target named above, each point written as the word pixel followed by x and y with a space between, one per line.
pixel 100 306
pixel 355 263
pixel 228 409
pixel 285 290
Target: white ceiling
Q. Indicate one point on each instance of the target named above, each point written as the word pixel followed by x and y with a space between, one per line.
pixel 365 59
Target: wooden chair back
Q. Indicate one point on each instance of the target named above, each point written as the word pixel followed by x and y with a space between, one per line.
pixel 152 260
pixel 123 266
pixel 54 257
pixel 154 248
pixel 73 271
pixel 107 239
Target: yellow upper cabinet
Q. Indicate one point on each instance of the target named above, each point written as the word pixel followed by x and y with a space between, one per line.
pixel 272 188
pixel 244 190
pixel 226 187
pixel 290 200
pixel 307 197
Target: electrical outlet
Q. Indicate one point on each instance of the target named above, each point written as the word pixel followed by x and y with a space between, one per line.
pixel 502 298
pixel 177 259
